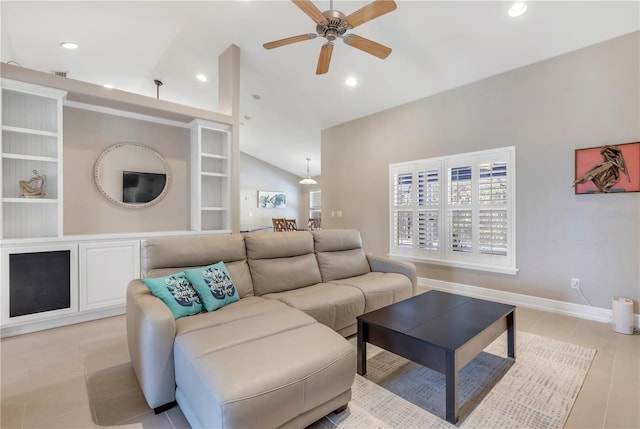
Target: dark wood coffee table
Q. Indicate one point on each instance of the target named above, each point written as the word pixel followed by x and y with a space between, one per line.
pixel 439 330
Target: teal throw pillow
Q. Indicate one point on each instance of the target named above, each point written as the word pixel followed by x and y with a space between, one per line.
pixel 214 285
pixel 177 292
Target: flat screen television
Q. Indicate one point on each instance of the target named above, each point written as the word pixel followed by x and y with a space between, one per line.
pixel 139 187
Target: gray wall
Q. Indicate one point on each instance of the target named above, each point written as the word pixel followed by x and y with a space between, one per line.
pixel 257 175
pixel 586 98
pixel 86 210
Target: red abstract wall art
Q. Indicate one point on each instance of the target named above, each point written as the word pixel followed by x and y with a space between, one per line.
pixel 608 169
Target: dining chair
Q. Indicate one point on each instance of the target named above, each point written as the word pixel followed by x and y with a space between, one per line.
pixel 313 224
pixel 279 224
pixel 291 225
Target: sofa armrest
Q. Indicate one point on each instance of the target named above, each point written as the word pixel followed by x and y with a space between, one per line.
pixel 151 330
pixel 388 265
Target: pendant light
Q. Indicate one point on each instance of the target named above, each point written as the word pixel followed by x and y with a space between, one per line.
pixel 308 180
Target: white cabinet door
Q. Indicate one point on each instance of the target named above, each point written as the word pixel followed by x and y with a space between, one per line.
pixel 106 268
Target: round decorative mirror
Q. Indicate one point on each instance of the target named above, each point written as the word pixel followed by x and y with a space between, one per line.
pixel 132 175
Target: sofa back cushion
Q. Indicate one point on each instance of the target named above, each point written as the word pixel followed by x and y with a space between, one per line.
pixel 281 261
pixel 163 256
pixel 339 253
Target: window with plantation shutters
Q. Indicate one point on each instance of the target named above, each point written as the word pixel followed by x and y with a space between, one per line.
pixel 456 210
pixel 315 204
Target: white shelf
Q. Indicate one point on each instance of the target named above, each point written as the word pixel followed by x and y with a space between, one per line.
pixel 212 209
pixel 210 184
pixel 29 157
pixel 31 141
pixel 211 155
pixel 29 131
pixel 30 200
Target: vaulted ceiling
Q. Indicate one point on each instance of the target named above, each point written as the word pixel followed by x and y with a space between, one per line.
pixel 437 45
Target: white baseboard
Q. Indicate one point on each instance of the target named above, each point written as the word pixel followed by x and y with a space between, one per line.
pixel 553 306
pixel 70 319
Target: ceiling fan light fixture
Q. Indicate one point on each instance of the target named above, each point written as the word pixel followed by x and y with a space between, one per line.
pixel 308 180
pixel 517 9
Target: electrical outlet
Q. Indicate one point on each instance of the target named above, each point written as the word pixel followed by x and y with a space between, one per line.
pixel 575 283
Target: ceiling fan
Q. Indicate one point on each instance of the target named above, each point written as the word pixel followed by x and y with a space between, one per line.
pixel 333 24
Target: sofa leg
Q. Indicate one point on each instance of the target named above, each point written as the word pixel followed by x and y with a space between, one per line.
pixel 165 407
pixel 341 409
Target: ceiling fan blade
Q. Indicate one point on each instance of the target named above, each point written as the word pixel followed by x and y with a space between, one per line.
pixel 311 10
pixel 368 46
pixel 289 40
pixel 325 58
pixel 372 10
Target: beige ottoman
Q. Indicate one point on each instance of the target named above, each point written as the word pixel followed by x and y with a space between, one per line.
pixel 281 369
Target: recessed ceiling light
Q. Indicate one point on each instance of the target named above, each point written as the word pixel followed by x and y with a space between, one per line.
pixel 69 45
pixel 201 77
pixel 517 9
pixel 108 86
pixel 351 81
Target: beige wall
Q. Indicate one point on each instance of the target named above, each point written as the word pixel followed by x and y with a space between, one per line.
pixel 86 210
pixel 547 110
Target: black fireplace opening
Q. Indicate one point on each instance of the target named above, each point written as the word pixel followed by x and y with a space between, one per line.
pixel 39 281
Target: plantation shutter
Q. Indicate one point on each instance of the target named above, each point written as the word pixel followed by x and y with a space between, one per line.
pixel 402 209
pixel 460 214
pixel 428 208
pixel 493 218
pixel 315 204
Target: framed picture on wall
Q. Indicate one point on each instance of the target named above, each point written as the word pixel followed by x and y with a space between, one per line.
pixel 608 169
pixel 271 200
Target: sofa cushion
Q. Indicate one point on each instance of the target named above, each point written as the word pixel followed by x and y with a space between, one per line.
pixel 265 382
pixel 214 285
pixel 380 289
pixel 268 245
pixel 198 342
pixel 339 254
pixel 177 292
pixel 164 256
pixel 246 307
pixel 333 305
pixel 281 261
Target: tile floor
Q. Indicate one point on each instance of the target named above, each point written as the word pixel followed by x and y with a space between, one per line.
pixel 80 376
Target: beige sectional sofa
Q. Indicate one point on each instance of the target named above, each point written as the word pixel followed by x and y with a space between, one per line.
pixel 278 356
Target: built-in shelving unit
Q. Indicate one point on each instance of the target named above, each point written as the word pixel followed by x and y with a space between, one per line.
pixel 31 141
pixel 210 180
pixel 88 273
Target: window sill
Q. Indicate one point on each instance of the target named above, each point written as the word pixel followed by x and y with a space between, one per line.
pixel 456 264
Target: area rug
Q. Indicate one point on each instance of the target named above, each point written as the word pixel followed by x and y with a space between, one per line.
pixel 537 391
